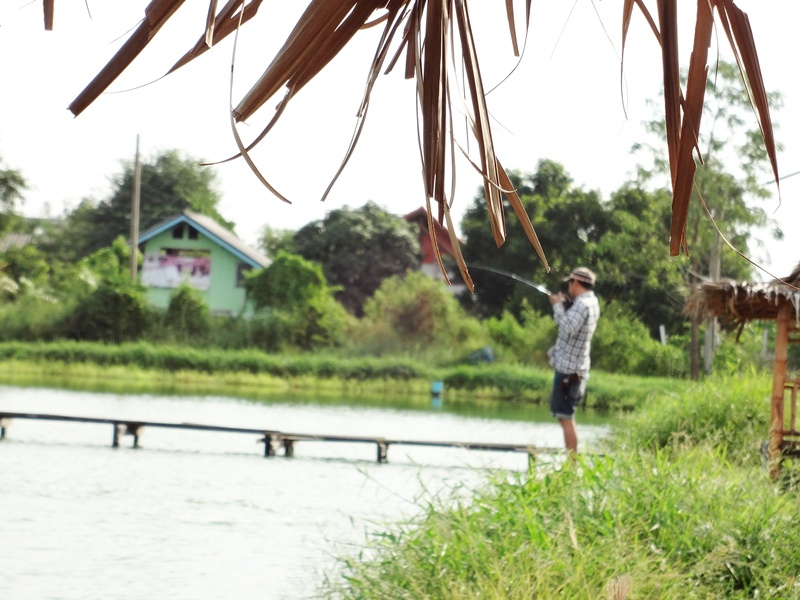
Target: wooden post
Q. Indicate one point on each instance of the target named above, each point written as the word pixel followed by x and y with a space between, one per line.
pixel 3 426
pixel 776 423
pixel 268 448
pixel 115 440
pixel 383 449
pixel 288 447
pixel 133 429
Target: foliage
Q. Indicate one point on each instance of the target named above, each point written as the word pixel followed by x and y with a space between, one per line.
pixel 647 525
pixel 301 310
pixel 622 344
pixel 358 249
pixel 393 373
pixel 525 340
pixel 565 217
pixel 678 506
pixel 111 262
pixel 622 240
pixel 416 313
pixel 288 281
pixel 28 271
pixel 12 188
pixel 25 264
pixel 734 164
pixel 170 184
pixel 632 263
pixel 187 315
pixel 116 311
pixel 275 240
pixel 729 414
pixel 32 318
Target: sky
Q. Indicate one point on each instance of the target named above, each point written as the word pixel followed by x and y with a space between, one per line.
pixel 564 101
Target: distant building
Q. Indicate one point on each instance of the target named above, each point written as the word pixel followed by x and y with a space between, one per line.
pixel 429 266
pixel 193 248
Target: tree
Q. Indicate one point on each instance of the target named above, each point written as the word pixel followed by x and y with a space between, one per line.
pixel 358 249
pixel 170 184
pixel 416 313
pixel 566 218
pixel 274 240
pixel 632 263
pixel 299 307
pixel 726 184
pixel 12 186
pixel 728 180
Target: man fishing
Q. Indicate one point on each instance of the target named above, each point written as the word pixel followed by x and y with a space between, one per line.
pixel 570 355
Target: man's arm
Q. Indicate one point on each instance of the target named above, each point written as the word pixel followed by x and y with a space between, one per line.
pixel 570 320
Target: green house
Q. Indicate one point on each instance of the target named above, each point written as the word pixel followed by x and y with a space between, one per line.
pixel 195 249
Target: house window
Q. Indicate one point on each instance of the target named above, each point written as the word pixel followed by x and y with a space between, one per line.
pixel 241 269
pixel 192 233
pixel 177 232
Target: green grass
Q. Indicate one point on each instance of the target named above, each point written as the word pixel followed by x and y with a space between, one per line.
pixel 678 507
pixel 214 369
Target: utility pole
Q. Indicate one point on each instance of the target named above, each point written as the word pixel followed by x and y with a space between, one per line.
pixel 137 180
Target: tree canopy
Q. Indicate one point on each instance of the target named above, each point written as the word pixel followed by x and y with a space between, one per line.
pixel 358 249
pixel 620 239
pixel 170 184
pixel 12 187
pixel 728 183
pixel 565 218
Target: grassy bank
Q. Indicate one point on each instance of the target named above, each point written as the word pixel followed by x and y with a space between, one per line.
pixel 150 368
pixel 680 506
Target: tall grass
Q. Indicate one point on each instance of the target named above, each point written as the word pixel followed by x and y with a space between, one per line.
pixel 497 381
pixel 677 507
pixel 730 414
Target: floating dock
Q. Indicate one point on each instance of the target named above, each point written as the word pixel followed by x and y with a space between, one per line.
pixel 273 440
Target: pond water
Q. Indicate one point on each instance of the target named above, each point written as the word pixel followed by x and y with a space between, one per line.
pixel 195 515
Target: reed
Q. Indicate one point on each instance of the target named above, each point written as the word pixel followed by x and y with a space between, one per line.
pixel 688 516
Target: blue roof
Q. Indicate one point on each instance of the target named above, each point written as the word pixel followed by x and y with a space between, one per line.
pixel 215 232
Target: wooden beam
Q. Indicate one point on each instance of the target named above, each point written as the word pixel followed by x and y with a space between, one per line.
pixel 776 424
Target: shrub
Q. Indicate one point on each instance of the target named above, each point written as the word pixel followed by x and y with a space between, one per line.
pixel 187 314
pixel 622 344
pixel 114 312
pixel 296 306
pixel 32 318
pixel 416 313
pixel 526 341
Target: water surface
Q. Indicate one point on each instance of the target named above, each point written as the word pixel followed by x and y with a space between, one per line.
pixel 195 515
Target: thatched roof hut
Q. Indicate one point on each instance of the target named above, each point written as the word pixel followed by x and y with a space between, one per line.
pixel 779 301
pixel 736 302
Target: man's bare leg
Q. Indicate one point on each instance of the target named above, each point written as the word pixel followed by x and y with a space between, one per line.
pixel 570 435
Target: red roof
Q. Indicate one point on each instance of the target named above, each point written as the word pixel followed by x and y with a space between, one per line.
pixel 420 217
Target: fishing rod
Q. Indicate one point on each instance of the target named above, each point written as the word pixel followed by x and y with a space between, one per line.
pixel 537 286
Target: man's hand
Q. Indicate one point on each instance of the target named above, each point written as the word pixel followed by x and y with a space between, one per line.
pixel 556 298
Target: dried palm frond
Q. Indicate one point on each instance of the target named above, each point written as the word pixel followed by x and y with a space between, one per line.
pixel 432 34
pixel 683 114
pixel 49 5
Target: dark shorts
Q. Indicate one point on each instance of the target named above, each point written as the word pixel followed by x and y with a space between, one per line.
pixel 565 399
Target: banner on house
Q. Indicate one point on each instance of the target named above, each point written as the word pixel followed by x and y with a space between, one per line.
pixel 171 268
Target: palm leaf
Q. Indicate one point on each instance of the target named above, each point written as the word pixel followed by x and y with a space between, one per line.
pixel 49 7
pixel 157 13
pixel 430 29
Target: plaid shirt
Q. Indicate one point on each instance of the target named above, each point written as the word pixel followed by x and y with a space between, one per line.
pixel 575 329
